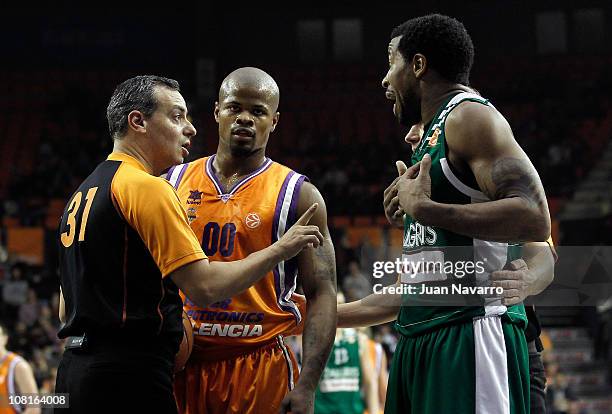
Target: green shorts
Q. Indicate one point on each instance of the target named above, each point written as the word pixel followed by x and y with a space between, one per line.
pixel 477 367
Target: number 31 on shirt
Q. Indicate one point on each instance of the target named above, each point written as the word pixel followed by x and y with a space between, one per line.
pixel 67 237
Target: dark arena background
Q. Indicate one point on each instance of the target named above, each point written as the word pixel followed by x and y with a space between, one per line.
pixel 545 65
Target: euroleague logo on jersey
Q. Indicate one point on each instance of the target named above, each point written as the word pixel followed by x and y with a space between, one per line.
pixel 252 220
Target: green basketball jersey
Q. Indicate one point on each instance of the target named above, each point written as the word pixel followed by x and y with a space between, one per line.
pixel 339 390
pixel 447 253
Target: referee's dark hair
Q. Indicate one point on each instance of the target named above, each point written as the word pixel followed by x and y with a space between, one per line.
pixel 136 93
pixel 443 40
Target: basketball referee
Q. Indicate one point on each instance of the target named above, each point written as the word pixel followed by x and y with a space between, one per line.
pixel 125 250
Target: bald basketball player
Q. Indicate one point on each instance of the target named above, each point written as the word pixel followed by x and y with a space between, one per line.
pixel 239 201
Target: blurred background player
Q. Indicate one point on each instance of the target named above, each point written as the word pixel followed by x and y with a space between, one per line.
pixel 239 201
pixel 380 363
pixel 349 383
pixel 16 378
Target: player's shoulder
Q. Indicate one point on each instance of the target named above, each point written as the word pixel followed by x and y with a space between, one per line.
pixel 309 193
pixel 21 365
pixel 280 168
pixel 199 162
pixel 469 111
pixel 471 122
pixel 186 172
pixel 287 174
pixel 181 169
pixel 16 359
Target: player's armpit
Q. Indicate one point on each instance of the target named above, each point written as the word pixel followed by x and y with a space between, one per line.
pixel 480 139
pixel 374 309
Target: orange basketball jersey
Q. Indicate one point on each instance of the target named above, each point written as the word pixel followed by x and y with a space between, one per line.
pixel 230 225
pixel 7 383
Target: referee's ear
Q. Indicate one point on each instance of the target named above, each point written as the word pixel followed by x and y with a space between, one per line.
pixel 136 121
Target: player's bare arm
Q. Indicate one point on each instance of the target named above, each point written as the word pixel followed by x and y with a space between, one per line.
pixel 370 380
pixel 206 282
pixel 383 377
pixel 26 384
pixel 317 272
pixel 374 309
pixel 524 277
pixel 527 276
pixel 480 141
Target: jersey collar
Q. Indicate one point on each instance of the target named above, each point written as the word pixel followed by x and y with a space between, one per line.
pixel 123 157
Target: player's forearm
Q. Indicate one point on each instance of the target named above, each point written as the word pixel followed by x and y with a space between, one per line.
pixel 374 309
pixel 371 392
pixel 506 220
pixel 318 337
pixel 226 279
pixel 369 311
pixel 541 264
pixel 26 384
pixel 370 384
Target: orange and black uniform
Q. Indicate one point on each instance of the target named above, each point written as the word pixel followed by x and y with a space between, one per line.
pixel 122 233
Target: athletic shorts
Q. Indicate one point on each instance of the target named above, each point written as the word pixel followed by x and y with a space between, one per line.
pixel 253 383
pixel 479 367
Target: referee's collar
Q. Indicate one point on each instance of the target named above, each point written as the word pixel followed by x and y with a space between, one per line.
pixel 123 157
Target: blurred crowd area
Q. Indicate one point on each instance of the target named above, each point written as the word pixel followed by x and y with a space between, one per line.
pixel 336 127
pixel 29 307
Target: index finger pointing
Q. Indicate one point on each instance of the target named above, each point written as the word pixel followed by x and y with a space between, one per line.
pixel 302 221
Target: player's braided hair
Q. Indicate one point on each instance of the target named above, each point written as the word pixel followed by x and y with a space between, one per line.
pixel 443 40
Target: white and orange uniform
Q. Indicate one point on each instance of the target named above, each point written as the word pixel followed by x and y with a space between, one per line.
pixel 7 383
pixel 376 353
pixel 240 363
